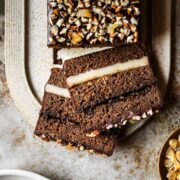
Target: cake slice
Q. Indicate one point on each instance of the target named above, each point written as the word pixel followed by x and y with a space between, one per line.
pixel 92 23
pixel 112 113
pixel 71 135
pixel 56 124
pixel 97 77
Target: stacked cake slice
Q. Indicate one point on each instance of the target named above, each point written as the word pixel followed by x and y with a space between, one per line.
pixel 57 119
pixel 88 95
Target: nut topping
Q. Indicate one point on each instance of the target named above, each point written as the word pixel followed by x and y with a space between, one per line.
pixel 172 161
pixel 98 21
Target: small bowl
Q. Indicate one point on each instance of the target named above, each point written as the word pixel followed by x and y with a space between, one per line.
pixel 15 174
pixel 162 169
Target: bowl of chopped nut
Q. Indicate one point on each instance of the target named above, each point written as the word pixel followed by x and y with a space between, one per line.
pixel 169 160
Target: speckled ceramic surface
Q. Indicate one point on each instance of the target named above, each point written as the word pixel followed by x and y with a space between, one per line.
pixel 136 158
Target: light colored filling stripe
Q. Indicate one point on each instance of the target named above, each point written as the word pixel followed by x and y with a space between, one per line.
pixel 109 70
pixel 57 90
pixel 60 66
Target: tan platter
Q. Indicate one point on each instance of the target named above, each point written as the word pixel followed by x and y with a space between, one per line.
pixel 28 60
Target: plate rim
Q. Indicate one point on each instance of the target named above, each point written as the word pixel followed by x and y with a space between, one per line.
pixel 22 173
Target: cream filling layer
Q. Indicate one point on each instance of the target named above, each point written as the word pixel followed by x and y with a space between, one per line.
pixel 60 66
pixel 57 90
pixel 109 70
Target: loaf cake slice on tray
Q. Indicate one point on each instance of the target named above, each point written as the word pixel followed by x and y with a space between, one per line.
pixel 112 113
pixel 97 77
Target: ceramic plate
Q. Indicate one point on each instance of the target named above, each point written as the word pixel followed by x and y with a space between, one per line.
pixel 28 60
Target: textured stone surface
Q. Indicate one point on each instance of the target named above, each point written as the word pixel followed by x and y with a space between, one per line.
pixel 139 153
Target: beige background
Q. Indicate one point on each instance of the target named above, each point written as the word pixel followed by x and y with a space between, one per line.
pixel 18 149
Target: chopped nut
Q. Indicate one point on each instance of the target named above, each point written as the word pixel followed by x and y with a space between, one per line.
pixel 133 28
pixel 129 10
pixel 60 6
pixel 51 40
pixel 125 24
pixel 89 26
pixel 55 30
pixel 59 1
pixel 171 175
pixel 78 22
pixel 93 134
pixel 59 22
pixel 95 21
pixel 168 163
pixel 118 9
pixel 144 115
pixel 178 175
pixel 61 39
pixel 98 11
pixel 43 136
pixel 81 148
pixel 136 35
pixel 89 36
pixel 136 118
pixel 173 143
pixel 102 39
pixel 93 41
pixel 170 154
pixel 80 4
pixel 59 141
pixel 76 38
pixel 121 36
pixel 134 21
pixel 53 4
pixel 63 31
pixel 72 20
pixel 109 127
pixel 136 11
pixel 87 3
pixel 112 27
pixel 69 10
pixel 69 147
pixel 124 122
pixel 178 155
pixel 84 13
pixel 91 151
pixel 124 3
pixel 63 14
pixel 56 11
pixel 84 31
pixel 176 165
pixel 150 112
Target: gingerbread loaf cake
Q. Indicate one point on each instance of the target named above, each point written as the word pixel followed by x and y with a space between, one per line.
pixel 112 113
pixel 92 23
pixel 97 77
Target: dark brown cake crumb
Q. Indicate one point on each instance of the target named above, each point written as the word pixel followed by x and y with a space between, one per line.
pixel 70 134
